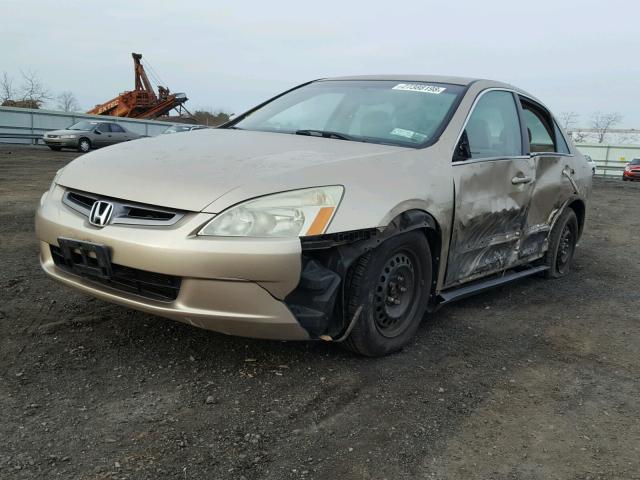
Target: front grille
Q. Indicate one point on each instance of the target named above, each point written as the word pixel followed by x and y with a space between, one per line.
pixel 154 286
pixel 81 200
pixel 123 212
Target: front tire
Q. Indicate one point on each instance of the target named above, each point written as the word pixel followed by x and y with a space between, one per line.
pixel 562 245
pixel 391 287
pixel 84 145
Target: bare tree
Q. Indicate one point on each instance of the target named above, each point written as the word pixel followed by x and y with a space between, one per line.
pixel 568 120
pixel 33 90
pixel 67 102
pixel 578 136
pixel 6 88
pixel 601 123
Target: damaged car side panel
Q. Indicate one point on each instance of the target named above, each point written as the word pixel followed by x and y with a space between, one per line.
pixel 490 214
pixel 496 215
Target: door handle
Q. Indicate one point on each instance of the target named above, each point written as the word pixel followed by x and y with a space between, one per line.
pixel 520 180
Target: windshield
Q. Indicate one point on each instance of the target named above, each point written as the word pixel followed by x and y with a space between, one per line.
pixel 408 114
pixel 84 126
pixel 177 128
pixel 635 161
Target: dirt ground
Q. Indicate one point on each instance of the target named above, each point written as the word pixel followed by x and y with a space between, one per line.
pixel 536 380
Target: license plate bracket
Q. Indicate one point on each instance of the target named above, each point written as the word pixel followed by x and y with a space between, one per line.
pixel 86 259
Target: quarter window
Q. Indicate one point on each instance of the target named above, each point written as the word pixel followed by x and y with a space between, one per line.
pixel 493 129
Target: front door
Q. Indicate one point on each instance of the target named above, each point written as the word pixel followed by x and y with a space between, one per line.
pixel 493 181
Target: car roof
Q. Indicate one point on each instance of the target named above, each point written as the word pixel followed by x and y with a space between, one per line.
pixel 410 78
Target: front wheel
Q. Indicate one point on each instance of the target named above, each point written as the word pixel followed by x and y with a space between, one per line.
pixel 84 145
pixel 390 286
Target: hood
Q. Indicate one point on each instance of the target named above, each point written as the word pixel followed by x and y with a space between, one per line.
pixel 191 170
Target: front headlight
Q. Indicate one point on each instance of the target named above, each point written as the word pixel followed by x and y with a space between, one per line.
pixel 68 136
pixel 297 213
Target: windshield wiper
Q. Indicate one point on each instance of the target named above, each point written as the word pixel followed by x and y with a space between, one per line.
pixel 323 134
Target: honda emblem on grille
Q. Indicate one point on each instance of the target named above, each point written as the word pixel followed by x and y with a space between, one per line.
pixel 100 213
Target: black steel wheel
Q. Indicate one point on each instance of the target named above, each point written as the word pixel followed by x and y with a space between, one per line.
pixel 562 245
pixel 390 289
pixel 395 294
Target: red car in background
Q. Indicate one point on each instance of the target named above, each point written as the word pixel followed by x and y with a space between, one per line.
pixel 632 170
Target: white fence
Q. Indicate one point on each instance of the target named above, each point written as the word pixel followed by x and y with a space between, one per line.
pixel 610 159
pixel 25 125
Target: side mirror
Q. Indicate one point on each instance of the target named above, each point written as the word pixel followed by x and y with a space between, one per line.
pixel 98 132
pixel 463 150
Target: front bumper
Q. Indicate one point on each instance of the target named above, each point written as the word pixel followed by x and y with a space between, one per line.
pixel 229 285
pixel 60 142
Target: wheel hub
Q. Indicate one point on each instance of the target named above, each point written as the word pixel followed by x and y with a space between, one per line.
pixel 566 244
pixel 395 294
pixel 566 247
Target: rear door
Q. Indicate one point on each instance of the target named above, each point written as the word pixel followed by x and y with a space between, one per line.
pixel 555 169
pixel 493 185
pixel 103 136
pixel 118 134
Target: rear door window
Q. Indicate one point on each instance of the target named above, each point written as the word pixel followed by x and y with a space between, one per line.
pixel 116 128
pixel 493 129
pixel 541 129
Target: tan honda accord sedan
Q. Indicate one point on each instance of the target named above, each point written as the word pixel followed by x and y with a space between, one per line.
pixel 340 210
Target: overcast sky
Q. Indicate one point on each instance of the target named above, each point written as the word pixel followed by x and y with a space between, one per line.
pixel 573 55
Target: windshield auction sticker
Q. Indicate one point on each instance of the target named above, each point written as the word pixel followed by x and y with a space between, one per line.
pixel 419 87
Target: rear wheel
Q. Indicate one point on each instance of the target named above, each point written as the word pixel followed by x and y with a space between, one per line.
pixel 391 287
pixel 84 145
pixel 562 245
pixel 55 149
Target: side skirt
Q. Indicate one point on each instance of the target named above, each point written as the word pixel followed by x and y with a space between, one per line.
pixel 467 290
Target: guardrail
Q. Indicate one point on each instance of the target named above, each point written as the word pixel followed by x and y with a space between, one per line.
pixel 26 125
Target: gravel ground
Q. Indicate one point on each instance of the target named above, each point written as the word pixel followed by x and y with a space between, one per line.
pixel 536 380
